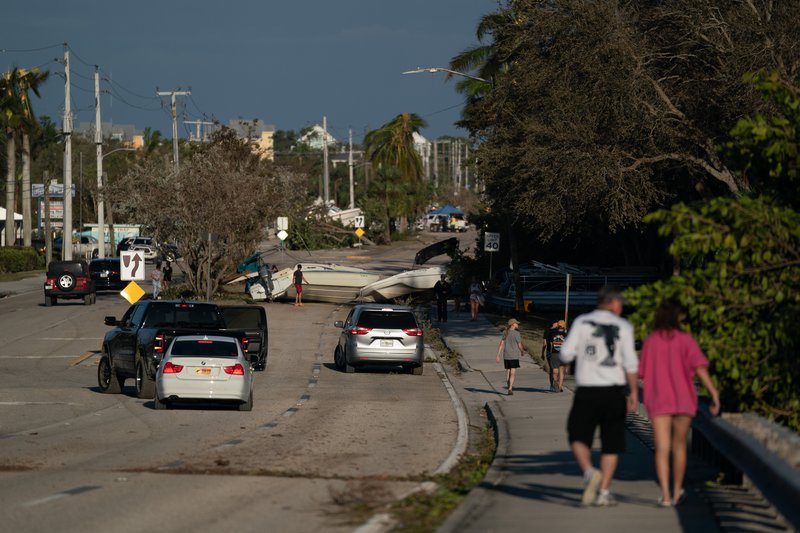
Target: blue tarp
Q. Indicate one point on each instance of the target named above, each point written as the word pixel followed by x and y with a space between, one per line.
pixel 447 209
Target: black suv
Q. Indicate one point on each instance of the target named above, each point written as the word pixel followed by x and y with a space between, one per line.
pixel 70 280
pixel 106 274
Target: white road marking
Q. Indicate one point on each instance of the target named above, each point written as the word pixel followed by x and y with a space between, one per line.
pixel 36 356
pixel 39 403
pixel 71 338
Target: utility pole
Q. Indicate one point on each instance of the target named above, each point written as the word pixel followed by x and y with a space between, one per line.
pixel 325 176
pixel 66 241
pixel 436 163
pixel 350 165
pixel 466 166
pixel 198 124
pixel 172 95
pixel 98 142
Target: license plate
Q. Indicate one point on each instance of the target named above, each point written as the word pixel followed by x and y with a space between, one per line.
pixel 386 344
pixel 103 274
pixel 203 371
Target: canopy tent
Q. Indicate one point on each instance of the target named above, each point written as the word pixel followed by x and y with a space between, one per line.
pixel 447 209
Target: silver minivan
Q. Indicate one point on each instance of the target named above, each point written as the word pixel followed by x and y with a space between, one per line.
pixel 376 334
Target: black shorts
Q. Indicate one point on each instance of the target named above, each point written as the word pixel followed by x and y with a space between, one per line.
pixel 511 363
pixel 599 406
pixel 554 360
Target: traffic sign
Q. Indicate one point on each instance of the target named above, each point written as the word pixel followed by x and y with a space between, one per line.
pixel 132 292
pixel 491 242
pixel 283 223
pixel 131 265
pixel 282 235
pixel 359 220
pixel 360 232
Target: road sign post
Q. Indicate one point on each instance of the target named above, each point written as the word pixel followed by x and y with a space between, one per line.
pixel 131 268
pixel 491 244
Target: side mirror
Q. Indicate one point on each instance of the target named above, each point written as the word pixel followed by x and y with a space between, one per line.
pixel 338 324
pixel 110 321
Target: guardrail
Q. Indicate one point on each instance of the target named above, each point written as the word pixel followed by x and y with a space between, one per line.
pixel 738 455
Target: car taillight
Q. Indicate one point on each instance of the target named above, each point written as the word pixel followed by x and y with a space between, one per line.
pixel 51 282
pixel 413 332
pixel 235 370
pixel 158 343
pixel 245 344
pixel 169 368
pixel 360 330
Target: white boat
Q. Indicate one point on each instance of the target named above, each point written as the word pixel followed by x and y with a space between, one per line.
pixel 326 282
pixel 402 284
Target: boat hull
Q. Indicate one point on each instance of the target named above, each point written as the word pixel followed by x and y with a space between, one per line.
pixel 401 285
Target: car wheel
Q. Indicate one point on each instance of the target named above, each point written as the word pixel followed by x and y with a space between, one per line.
pixel 338 358
pixel 248 405
pixel 349 369
pixel 53 300
pixel 87 299
pixel 94 298
pixel 48 301
pixel 107 378
pixel 417 370
pixel 145 385
pixel 159 404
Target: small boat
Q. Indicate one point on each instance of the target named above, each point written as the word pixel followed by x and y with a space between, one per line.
pixel 326 282
pixel 401 284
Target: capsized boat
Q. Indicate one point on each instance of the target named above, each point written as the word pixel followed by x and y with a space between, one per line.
pixel 327 282
pixel 402 284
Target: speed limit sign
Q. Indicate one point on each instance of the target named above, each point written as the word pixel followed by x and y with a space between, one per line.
pixel 491 242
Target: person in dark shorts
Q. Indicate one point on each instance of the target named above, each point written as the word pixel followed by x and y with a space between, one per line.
pixel 167 271
pixel 511 349
pixel 442 292
pixel 601 344
pixel 299 279
pixel 554 338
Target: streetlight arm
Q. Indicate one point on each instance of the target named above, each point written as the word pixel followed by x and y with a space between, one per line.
pixel 432 70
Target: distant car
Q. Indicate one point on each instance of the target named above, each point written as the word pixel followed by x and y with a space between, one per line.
pixel 204 368
pixel 84 246
pixel 68 280
pixel 106 274
pixel 375 334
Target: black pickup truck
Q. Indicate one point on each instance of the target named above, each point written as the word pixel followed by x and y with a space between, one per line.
pixel 138 341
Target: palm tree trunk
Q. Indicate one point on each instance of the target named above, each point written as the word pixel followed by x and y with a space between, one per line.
pixel 11 180
pixel 26 189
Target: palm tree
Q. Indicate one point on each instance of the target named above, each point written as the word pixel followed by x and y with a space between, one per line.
pixel 12 118
pixel 29 80
pixel 392 145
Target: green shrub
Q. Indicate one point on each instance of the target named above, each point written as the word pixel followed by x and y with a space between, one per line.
pixel 20 259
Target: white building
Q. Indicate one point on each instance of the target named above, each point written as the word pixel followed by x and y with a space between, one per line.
pixel 314 138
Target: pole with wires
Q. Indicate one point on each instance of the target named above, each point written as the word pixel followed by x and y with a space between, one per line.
pixel 172 95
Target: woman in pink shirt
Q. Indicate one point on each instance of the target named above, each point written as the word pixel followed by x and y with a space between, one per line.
pixel 670 359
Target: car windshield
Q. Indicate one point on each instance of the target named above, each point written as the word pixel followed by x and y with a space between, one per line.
pixel 387 320
pixel 204 348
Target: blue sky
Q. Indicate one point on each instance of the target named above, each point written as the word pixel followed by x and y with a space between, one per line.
pixel 287 63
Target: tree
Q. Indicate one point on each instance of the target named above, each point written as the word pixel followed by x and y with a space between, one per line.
pixel 222 190
pixel 29 80
pixel 12 118
pixel 606 109
pixel 392 146
pixel 739 263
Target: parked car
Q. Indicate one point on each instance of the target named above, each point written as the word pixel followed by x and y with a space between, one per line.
pixel 84 246
pixel 106 274
pixel 204 368
pixel 375 334
pixel 69 280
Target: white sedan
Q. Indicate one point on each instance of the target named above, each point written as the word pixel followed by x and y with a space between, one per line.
pixel 204 368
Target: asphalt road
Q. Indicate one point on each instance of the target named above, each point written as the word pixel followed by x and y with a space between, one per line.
pixel 75 459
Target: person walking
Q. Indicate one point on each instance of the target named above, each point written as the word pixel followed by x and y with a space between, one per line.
pixel 545 352
pixel 669 361
pixel 156 276
pixel 442 291
pixel 167 275
pixel 299 279
pixel 554 339
pixel 475 297
pixel 601 344
pixel 511 349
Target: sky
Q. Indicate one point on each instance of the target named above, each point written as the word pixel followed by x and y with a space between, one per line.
pixel 287 63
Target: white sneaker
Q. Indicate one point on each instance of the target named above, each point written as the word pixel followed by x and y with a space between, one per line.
pixel 590 490
pixel 605 499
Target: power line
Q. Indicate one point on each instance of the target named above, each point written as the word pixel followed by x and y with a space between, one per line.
pixel 2 50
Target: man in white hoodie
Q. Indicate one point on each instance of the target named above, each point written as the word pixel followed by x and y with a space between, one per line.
pixel 601 344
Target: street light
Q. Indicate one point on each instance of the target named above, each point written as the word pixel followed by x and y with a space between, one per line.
pixel 101 222
pixel 420 70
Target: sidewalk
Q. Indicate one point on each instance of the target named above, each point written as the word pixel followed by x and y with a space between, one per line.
pixel 534 482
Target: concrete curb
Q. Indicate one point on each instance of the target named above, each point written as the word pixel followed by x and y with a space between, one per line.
pixel 476 501
pixel 384 522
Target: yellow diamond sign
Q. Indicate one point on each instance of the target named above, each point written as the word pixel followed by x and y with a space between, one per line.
pixel 132 292
pixel 360 232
